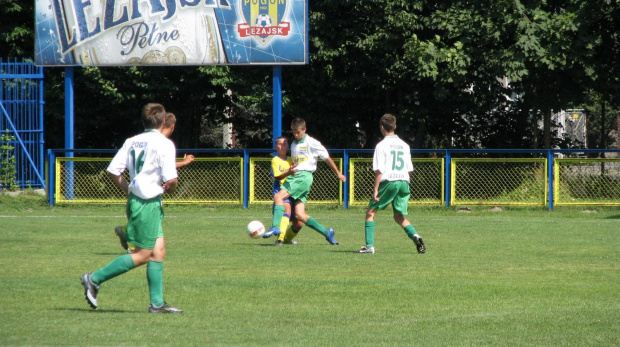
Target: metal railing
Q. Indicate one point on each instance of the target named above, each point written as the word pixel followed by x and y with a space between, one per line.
pixel 440 177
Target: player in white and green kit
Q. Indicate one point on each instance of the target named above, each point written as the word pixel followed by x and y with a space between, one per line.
pixel 150 159
pixel 392 164
pixel 305 152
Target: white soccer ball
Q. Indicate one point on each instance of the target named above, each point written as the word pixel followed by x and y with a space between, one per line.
pixel 262 20
pixel 256 229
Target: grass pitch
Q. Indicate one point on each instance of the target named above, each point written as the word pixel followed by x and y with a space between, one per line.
pixel 519 277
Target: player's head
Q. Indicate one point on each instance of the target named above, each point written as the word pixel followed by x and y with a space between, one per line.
pixel 298 126
pixel 153 115
pixel 282 146
pixel 388 123
pixel 169 122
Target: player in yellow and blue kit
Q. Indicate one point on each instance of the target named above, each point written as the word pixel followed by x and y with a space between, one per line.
pixel 281 167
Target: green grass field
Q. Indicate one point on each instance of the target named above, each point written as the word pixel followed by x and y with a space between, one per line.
pixel 519 277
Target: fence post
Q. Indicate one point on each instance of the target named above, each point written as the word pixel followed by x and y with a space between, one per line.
pixel 246 178
pixel 69 133
pixel 51 176
pixel 550 163
pixel 447 169
pixel 345 169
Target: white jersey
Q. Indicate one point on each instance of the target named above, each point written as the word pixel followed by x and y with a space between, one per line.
pixel 150 158
pixel 393 159
pixel 305 153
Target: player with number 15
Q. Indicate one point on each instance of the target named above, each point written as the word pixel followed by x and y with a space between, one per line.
pixel 392 164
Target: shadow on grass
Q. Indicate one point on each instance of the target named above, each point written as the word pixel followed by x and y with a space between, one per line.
pixel 616 216
pixel 90 310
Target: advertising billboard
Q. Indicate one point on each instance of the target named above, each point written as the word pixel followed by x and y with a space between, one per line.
pixel 170 32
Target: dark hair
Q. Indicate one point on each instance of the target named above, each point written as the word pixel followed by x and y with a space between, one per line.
pixel 298 123
pixel 153 115
pixel 388 122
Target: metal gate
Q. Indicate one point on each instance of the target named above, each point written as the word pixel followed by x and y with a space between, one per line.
pixel 21 114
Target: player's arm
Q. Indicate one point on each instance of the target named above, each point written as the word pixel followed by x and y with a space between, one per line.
pixel 375 194
pixel 120 182
pixel 334 168
pixel 187 159
pixel 283 174
pixel 171 185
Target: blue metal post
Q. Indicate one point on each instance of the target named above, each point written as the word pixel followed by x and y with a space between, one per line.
pixel 550 164
pixel 345 172
pixel 277 103
pixel 51 167
pixel 447 177
pixel 246 178
pixel 69 126
pixel 41 139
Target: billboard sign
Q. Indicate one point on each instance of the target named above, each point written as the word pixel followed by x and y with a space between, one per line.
pixel 170 32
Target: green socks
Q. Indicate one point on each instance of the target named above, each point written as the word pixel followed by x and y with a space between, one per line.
pixel 117 267
pixel 410 230
pixel 369 230
pixel 312 223
pixel 155 278
pixel 278 213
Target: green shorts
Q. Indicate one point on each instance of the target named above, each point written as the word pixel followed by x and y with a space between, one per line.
pixel 298 185
pixel 394 192
pixel 144 218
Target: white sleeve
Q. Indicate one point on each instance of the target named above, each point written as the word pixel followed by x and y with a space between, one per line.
pixel 378 160
pixel 119 162
pixel 168 162
pixel 318 148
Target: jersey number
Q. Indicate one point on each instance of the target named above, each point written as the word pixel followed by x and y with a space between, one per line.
pixel 139 163
pixel 397 161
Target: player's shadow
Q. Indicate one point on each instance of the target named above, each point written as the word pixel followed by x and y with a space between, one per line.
pixel 616 216
pixel 90 310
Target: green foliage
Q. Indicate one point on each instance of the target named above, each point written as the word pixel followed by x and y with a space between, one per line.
pixel 16 29
pixel 8 171
pixel 435 64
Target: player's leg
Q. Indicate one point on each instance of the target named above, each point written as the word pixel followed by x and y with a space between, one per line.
pixel 385 194
pixel 293 229
pixel 155 278
pixel 121 232
pixel 300 213
pixel 400 206
pixel 285 221
pixel 369 231
pixel 278 212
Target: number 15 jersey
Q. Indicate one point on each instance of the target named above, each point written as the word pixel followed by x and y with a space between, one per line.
pixel 393 159
pixel 150 158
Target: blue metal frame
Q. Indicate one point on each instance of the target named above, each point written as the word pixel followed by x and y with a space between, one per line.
pixel 21 111
pixel 346 153
pixel 277 104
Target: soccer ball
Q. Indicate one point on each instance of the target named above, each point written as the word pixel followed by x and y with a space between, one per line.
pixel 256 229
pixel 262 20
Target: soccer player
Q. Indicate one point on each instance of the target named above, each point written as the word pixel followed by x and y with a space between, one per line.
pixel 392 164
pixel 169 122
pixel 282 167
pixel 150 159
pixel 305 152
